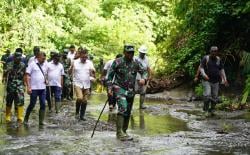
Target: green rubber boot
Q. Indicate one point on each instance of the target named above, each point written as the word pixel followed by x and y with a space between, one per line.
pixel 119 131
pixel 125 127
pixel 41 117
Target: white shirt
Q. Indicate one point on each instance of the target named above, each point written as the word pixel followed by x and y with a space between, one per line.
pixel 145 64
pixel 55 73
pixel 37 79
pixel 31 59
pixel 81 73
pixel 71 56
pixel 107 67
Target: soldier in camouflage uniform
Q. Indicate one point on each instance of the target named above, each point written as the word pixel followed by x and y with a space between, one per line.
pixel 123 74
pixel 4 58
pixel 14 73
pixel 67 82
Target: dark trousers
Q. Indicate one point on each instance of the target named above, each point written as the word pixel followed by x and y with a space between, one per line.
pixel 41 93
pixel 53 91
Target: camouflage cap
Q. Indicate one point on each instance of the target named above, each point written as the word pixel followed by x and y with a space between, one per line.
pixel 18 55
pixel 129 48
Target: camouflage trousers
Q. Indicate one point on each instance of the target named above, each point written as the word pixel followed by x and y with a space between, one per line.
pixel 17 97
pixel 124 100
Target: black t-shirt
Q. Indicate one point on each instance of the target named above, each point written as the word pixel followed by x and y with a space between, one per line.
pixel 212 68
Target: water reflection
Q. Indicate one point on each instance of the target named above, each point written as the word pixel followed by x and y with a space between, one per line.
pixel 141 123
pixel 144 123
pixel 16 130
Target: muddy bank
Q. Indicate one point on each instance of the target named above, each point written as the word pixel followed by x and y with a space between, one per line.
pixel 166 82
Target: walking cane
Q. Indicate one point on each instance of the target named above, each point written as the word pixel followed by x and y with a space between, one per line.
pixel 99 118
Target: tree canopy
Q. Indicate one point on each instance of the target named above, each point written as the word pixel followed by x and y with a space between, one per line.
pixel 177 32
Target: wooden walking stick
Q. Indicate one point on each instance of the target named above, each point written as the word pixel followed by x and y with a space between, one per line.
pixel 99 118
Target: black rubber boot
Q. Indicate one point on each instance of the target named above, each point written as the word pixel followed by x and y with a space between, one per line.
pixel 26 117
pixel 212 109
pixel 206 105
pixel 82 111
pixel 78 104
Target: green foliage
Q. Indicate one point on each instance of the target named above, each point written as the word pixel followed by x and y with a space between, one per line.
pixel 226 103
pixel 199 90
pixel 178 33
pixel 101 26
pixel 246 91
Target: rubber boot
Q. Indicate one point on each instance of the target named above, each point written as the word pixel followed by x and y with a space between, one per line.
pixel 41 117
pixel 125 127
pixel 57 107
pixel 20 114
pixel 142 98
pixel 206 105
pixel 49 105
pixel 26 117
pixel 119 124
pixel 8 114
pixel 82 111
pixel 78 104
pixel 212 109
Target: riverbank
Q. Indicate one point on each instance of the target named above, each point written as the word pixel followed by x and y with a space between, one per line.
pixel 165 127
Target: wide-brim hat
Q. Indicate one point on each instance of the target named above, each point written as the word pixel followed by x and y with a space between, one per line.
pixel 143 49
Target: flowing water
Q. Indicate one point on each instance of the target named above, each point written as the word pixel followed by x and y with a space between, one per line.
pixel 165 127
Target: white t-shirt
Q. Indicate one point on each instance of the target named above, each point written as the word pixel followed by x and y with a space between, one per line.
pixel 71 56
pixel 37 79
pixel 55 73
pixel 107 67
pixel 145 64
pixel 81 73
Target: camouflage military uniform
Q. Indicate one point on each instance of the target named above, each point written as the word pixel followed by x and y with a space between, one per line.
pixel 14 74
pixel 124 74
pixel 67 80
pixel 15 84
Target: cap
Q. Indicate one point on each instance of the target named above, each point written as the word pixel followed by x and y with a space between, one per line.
pixel 129 48
pixel 214 49
pixel 18 55
pixel 143 49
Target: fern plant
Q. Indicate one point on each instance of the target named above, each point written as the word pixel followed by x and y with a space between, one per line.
pixel 246 90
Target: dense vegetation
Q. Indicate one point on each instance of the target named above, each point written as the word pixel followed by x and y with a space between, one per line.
pixel 177 32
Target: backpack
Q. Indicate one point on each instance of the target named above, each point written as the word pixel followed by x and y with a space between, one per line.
pixel 217 60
